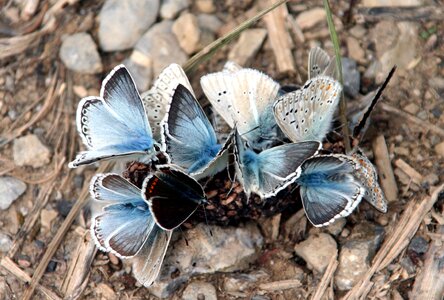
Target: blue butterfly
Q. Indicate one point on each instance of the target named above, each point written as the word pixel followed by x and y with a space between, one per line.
pixel 330 188
pixel 189 139
pixel 124 225
pixel 273 169
pixel 114 124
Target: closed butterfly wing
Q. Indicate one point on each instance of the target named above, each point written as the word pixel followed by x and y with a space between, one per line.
pixel 173 196
pixel 146 265
pixel 157 99
pixel 328 188
pixel 367 175
pixel 307 113
pixel 320 63
pixel 124 223
pixel 188 137
pixel 113 124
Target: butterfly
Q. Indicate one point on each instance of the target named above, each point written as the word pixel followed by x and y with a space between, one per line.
pixel 188 138
pixel 114 124
pixel 125 226
pixel 307 114
pixel 272 170
pixel 329 188
pixel 172 196
pixel 244 97
pixel 320 64
pixel 157 99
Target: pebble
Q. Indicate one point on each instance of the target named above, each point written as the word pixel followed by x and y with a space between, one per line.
pixel 10 189
pixel 140 67
pixel 199 290
pixel 209 22
pixel 351 77
pixel 432 179
pixel 197 252
pixel 171 8
pixel 105 291
pixel 5 290
pixel 356 254
pixel 439 149
pixel 310 18
pixel 242 282
pixel 79 53
pixel 123 22
pixel 358 31
pixel 373 3
pixel 190 36
pixel 437 83
pixel 418 245
pixel 205 6
pixel 29 151
pixel 5 242
pixel 160 48
pixel 317 251
pixel 46 218
pixel 411 108
pixel 336 227
pixel 355 50
pixel 246 47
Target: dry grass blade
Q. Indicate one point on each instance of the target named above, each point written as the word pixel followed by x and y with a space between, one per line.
pixel 397 241
pixel 280 285
pixel 55 243
pixel 326 278
pixel 209 50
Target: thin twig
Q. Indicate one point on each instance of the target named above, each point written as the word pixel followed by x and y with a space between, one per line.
pixel 326 278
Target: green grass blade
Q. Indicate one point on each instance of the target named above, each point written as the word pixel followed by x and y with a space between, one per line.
pixel 342 104
pixel 210 49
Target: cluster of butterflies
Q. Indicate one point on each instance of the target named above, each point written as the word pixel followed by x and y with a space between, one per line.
pixel 275 135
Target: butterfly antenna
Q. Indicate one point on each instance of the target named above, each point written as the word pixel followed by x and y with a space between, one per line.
pixel 186 240
pixel 251 130
pixel 209 230
pixel 231 186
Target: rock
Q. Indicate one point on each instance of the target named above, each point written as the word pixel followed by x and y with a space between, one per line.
pixel 351 77
pixel 242 282
pixel 46 218
pixel 198 290
pixel 373 3
pixel 190 36
pixel 431 179
pixel 356 254
pixel 205 6
pixel 437 83
pixel 10 189
pixel 358 31
pixel 5 242
pixel 141 69
pixel 171 8
pixel 29 151
pixel 418 245
pixel 423 115
pixel 79 53
pixel 160 47
pixel 209 22
pixel 310 18
pixel 354 49
pixel 6 290
pixel 105 291
pixel 336 227
pixel 439 149
pixel 317 251
pixel 123 22
pixel 197 252
pixel 248 44
pixel 411 108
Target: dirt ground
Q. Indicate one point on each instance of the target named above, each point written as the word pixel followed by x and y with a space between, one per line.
pixel 39 96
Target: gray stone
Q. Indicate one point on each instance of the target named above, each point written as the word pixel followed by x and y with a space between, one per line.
pixel 5 242
pixel 141 69
pixel 171 8
pixel 197 252
pixel 351 77
pixel 79 53
pixel 310 18
pixel 209 22
pixel 418 245
pixel 29 151
pixel 123 22
pixel 191 37
pixel 10 189
pixel 439 149
pixel 336 227
pixel 246 47
pixel 160 47
pixel 198 290
pixel 317 251
pixel 356 254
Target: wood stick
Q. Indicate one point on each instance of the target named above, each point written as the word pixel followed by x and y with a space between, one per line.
pixel 280 39
pixel 412 173
pixel 55 243
pixel 429 283
pixel 280 285
pixel 385 171
pixel 396 242
pixel 326 278
pixel 21 275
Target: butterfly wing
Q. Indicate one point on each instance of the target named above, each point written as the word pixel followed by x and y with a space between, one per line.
pixel 113 124
pixel 157 99
pixel 173 197
pixel 320 63
pixel 124 224
pixel 146 265
pixel 368 177
pixel 328 188
pixel 307 113
pixel 190 141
